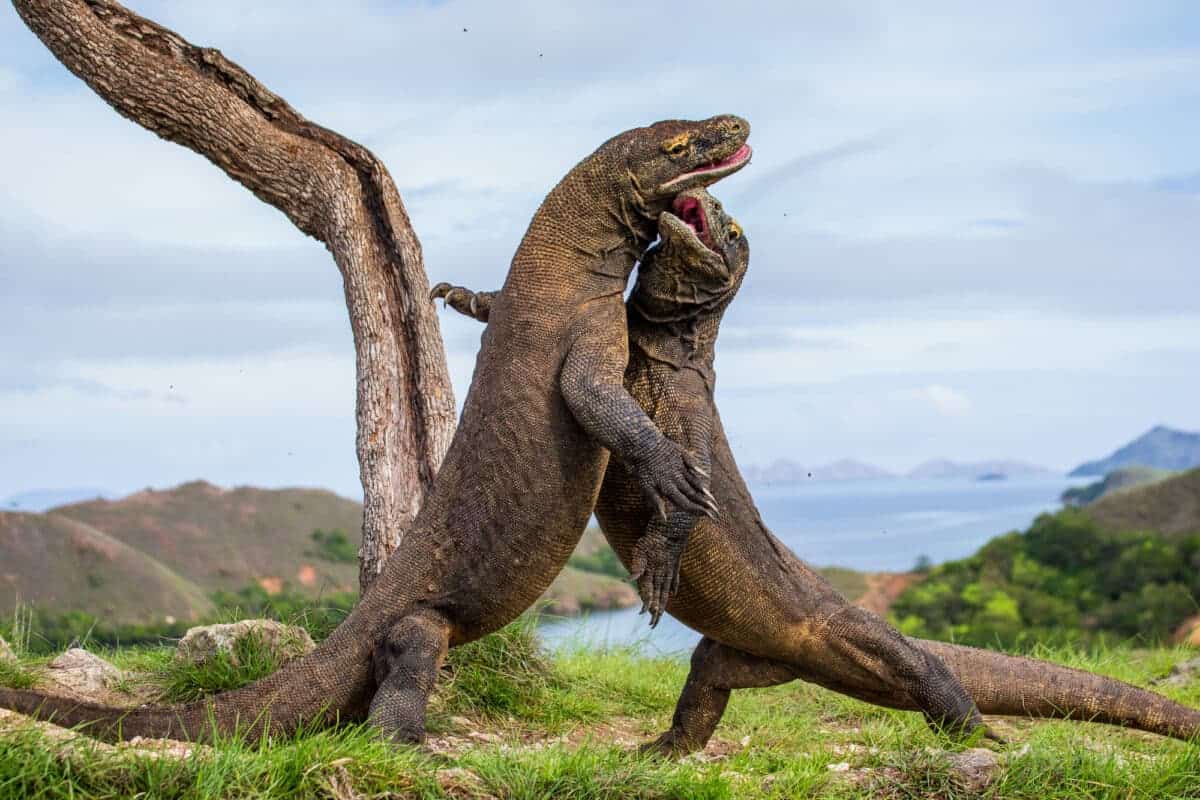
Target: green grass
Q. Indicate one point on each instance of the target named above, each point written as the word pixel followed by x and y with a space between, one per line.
pixel 250 660
pixel 564 725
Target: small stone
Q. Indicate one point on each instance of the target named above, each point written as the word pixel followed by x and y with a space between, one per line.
pixel 483 736
pixel 202 643
pixel 460 722
pixel 6 652
pixel 162 748
pixel 974 769
pixel 841 766
pixel 1182 673
pixel 82 673
pixel 745 741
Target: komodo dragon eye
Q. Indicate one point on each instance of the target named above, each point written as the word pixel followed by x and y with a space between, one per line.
pixel 678 145
pixel 735 232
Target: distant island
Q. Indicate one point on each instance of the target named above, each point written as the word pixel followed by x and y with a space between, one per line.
pixel 976 470
pixel 784 471
pixel 1160 447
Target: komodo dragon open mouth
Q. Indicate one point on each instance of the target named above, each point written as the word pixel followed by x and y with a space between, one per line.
pixel 715 170
pixel 689 211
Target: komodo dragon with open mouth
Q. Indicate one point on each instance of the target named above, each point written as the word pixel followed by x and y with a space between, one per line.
pixel 767 618
pixel 545 407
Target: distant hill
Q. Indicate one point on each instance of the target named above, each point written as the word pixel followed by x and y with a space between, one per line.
pixel 230 538
pixel 162 553
pixel 784 471
pixel 994 470
pixel 1170 507
pixel 63 565
pixel 45 499
pixel 1160 447
pixel 1115 481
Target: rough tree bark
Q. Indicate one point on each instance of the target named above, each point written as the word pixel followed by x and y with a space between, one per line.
pixel 332 189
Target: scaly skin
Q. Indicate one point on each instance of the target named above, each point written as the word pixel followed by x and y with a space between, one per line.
pixel 767 618
pixel 545 408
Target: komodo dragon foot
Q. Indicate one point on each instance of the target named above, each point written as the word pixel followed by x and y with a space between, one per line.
pixel 477 305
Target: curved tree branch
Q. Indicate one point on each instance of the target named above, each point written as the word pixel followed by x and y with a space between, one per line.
pixel 332 189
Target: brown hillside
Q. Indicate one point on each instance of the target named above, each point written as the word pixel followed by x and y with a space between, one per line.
pixel 230 538
pixel 59 564
pixel 1171 507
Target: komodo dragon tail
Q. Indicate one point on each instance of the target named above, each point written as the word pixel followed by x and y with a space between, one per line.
pixel 332 681
pixel 1016 686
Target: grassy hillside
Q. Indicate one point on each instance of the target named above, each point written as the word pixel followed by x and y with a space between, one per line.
pixel 62 565
pixel 511 722
pixel 1115 481
pixel 230 538
pixel 1170 507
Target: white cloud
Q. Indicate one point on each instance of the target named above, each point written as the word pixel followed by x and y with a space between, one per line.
pixel 945 400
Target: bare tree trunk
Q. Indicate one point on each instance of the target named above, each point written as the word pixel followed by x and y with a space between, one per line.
pixel 332 189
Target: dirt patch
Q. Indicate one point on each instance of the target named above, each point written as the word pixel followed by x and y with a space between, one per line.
pixel 883 589
pixel 307 575
pixel 1188 632
pixel 271 584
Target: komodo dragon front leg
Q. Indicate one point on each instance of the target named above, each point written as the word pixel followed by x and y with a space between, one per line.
pixel 685 419
pixel 594 392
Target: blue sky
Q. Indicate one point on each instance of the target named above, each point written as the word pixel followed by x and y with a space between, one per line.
pixel 973 226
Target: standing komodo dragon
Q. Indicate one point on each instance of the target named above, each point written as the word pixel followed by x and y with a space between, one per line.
pixel 767 618
pixel 545 407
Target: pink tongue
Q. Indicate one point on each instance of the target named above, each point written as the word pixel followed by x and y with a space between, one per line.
pixel 688 210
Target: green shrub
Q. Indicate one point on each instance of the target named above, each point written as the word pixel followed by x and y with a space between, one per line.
pixel 1061 581
pixel 602 562
pixel 334 546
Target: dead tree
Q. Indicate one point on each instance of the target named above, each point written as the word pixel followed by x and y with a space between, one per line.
pixel 332 189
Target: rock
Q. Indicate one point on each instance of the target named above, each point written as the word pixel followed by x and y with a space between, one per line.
pixel 1182 673
pixel 841 766
pixel 82 673
pixel 974 769
pixel 6 652
pixel 203 642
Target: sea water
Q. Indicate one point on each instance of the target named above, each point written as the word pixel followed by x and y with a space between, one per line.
pixel 868 525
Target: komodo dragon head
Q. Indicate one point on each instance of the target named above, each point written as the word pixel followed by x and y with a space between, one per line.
pixel 636 175
pixel 668 158
pixel 697 264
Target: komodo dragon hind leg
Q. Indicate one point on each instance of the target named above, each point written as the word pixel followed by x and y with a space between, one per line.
pixel 868 659
pixel 407 661
pixel 716 670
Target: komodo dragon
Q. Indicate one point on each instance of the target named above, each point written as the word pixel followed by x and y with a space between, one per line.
pixel 768 618
pixel 545 408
